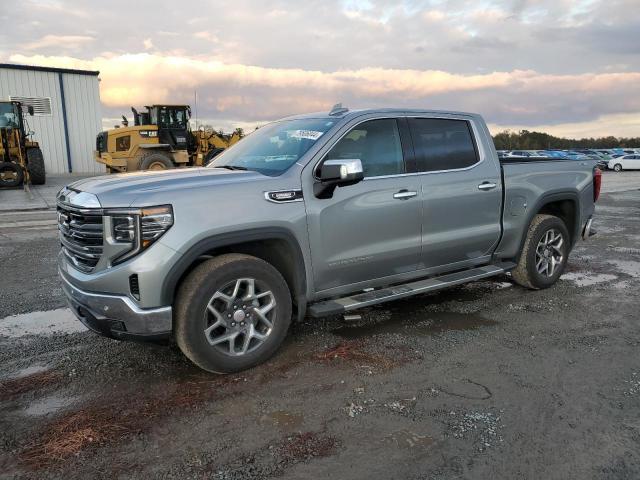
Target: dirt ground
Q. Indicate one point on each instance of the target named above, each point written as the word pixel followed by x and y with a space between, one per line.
pixel 487 380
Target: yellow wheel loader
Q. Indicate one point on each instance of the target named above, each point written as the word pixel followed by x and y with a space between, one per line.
pixel 21 160
pixel 160 138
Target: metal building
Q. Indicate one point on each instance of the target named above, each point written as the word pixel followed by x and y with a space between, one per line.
pixel 67 114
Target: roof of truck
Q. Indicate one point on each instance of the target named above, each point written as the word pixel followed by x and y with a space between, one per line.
pixel 396 111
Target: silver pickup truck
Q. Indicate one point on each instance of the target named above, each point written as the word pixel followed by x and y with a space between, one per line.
pixel 316 214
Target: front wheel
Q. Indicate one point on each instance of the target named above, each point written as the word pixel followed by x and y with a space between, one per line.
pixel 35 165
pixel 617 167
pixel 544 253
pixel 232 313
pixel 155 161
pixel 11 174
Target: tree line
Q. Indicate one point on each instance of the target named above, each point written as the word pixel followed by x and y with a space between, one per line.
pixel 526 140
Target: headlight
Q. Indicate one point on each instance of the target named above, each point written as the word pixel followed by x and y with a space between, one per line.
pixel 139 228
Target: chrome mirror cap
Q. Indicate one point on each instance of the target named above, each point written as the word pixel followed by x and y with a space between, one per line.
pixel 343 169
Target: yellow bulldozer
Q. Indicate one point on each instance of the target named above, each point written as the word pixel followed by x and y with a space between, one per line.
pixel 21 160
pixel 160 138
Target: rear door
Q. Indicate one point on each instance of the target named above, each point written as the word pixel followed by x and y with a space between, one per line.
pixel 461 193
pixel 634 162
pixel 369 230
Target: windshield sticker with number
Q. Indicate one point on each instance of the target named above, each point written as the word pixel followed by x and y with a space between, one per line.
pixel 307 134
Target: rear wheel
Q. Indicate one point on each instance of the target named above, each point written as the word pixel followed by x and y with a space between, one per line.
pixel 232 313
pixel 617 167
pixel 35 165
pixel 544 253
pixel 155 161
pixel 11 174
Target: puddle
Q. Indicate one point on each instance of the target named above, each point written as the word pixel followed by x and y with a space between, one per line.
pixel 629 267
pixel 41 323
pixel 431 323
pixel 407 439
pixel 283 419
pixel 48 405
pixel 585 279
pixel 24 372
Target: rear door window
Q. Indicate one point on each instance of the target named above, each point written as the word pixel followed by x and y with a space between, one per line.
pixel 442 144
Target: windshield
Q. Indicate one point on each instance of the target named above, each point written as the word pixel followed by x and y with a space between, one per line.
pixel 8 116
pixel 272 149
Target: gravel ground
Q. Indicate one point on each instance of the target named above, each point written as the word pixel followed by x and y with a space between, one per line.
pixel 486 380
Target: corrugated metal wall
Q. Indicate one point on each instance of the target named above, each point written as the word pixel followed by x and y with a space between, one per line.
pixel 82 101
pixel 84 120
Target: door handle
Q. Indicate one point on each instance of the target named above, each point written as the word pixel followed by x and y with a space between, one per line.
pixel 487 186
pixel 404 195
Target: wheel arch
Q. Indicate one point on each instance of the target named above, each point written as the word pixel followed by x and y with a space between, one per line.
pixel 276 246
pixel 565 205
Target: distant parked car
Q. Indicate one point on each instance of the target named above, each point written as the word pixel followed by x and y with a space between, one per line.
pixel 625 162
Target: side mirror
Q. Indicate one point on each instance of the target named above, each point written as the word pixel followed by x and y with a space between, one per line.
pixel 338 173
pixel 342 171
pixel 30 110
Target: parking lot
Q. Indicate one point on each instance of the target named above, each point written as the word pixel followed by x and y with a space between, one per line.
pixel 485 380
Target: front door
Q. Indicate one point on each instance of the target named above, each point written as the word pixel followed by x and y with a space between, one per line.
pixel 461 193
pixel 369 230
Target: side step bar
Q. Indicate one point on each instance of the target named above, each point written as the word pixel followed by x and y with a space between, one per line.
pixel 359 300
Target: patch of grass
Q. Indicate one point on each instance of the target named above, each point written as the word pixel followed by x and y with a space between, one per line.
pixel 307 445
pixel 17 386
pixel 354 351
pixel 108 420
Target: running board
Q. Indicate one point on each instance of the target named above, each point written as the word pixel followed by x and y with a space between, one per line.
pixel 345 304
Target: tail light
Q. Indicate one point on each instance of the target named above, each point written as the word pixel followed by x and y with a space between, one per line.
pixel 597 182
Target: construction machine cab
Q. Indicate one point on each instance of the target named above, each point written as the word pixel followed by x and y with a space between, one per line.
pixel 172 122
pixel 11 115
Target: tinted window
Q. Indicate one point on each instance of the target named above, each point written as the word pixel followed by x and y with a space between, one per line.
pixel 442 144
pixel 376 143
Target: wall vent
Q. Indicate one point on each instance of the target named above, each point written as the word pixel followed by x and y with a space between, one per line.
pixel 41 105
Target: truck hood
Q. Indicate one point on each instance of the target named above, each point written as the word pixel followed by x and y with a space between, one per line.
pixel 147 187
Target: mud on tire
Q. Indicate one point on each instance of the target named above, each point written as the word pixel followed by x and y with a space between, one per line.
pixel 535 253
pixel 218 312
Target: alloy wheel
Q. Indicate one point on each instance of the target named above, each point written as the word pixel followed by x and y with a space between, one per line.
pixel 240 316
pixel 549 253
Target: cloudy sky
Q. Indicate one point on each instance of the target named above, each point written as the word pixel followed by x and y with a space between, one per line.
pixel 571 68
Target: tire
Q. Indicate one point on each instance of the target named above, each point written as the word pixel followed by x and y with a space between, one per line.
pixel 196 302
pixel 617 167
pixel 35 165
pixel 155 161
pixel 11 174
pixel 533 256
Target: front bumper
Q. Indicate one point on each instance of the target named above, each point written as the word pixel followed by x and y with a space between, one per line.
pixel 117 316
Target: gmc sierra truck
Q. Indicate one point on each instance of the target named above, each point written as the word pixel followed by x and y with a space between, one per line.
pixel 316 214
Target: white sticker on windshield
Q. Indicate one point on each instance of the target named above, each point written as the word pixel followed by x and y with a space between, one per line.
pixel 308 134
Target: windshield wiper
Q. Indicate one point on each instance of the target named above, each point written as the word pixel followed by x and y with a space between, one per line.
pixel 231 167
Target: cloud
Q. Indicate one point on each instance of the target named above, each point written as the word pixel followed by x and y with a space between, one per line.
pixel 518 62
pixel 60 41
pixel 254 93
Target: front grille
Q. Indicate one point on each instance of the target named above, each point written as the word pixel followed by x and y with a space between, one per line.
pixel 81 237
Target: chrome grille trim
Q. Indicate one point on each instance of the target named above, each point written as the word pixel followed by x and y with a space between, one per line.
pixel 81 236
